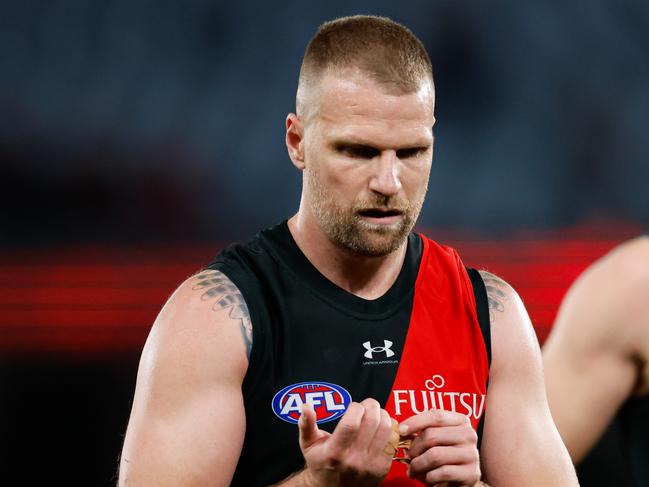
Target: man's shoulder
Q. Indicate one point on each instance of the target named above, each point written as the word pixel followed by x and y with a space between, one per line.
pixel 197 298
pixel 605 310
pixel 621 277
pixel 499 291
pixel 629 261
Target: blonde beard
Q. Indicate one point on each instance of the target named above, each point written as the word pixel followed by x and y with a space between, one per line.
pixel 346 229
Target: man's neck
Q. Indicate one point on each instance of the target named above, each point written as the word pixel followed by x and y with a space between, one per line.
pixel 363 276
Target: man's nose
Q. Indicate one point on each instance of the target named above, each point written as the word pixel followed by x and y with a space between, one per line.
pixel 385 179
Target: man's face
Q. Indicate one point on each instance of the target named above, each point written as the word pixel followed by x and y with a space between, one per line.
pixel 367 158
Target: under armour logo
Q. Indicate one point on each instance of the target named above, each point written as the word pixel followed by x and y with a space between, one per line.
pixel 371 350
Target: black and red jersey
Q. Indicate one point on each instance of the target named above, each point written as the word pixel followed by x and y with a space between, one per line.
pixel 419 346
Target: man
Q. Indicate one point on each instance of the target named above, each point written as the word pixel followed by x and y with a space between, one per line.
pixel 596 356
pixel 251 370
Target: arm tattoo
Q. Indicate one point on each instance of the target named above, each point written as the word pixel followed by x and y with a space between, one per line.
pixel 496 293
pixel 216 286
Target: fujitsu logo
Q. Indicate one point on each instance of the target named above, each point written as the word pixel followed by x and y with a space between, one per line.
pixel 384 349
pixel 468 403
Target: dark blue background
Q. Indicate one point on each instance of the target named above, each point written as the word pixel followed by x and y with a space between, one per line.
pixel 141 120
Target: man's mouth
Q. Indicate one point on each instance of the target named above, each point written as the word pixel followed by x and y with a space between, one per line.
pixel 379 212
pixel 381 215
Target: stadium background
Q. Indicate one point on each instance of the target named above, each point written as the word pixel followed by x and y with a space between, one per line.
pixel 137 138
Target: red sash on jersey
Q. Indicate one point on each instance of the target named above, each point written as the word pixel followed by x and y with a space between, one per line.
pixel 444 362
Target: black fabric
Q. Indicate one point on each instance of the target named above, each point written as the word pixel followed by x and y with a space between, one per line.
pixel 307 329
pixel 633 420
pixel 482 307
pixel 606 464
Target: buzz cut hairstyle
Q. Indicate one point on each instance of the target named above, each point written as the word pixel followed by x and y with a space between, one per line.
pixel 383 49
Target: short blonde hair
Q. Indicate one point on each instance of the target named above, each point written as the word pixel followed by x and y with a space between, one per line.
pixel 380 47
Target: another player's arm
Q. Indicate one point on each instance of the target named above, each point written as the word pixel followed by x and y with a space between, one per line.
pixel 187 422
pixel 521 445
pixel 591 358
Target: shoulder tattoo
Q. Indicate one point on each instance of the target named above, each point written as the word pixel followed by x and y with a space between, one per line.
pixel 216 287
pixel 496 293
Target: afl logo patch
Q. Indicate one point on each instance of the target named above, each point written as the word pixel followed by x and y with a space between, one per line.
pixel 328 400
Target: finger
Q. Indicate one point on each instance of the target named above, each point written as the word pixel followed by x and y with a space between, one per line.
pixel 440 456
pixel 307 426
pixel 434 417
pixel 345 433
pixel 385 438
pixel 442 436
pixel 369 425
pixel 393 437
pixel 454 474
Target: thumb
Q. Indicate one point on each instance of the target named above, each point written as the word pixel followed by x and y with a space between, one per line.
pixel 308 427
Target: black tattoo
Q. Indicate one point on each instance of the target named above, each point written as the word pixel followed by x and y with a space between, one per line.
pixel 216 286
pixel 496 294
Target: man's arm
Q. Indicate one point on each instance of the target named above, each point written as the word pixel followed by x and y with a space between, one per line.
pixel 187 422
pixel 592 356
pixel 521 445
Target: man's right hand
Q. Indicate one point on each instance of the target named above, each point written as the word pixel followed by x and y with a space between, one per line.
pixel 354 454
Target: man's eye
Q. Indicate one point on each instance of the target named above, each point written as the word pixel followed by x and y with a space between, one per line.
pixel 411 152
pixel 359 152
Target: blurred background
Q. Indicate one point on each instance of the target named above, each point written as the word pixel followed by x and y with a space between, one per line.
pixel 137 138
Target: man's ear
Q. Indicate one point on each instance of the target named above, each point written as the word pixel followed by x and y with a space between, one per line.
pixel 295 140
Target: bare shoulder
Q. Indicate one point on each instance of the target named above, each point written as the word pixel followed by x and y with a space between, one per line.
pixel 620 272
pixel 206 317
pixel 627 265
pixel 222 295
pixel 608 297
pixel 498 292
pixel 513 337
pixel 504 301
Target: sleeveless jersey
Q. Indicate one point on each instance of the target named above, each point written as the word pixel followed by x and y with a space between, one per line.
pixel 633 420
pixel 419 346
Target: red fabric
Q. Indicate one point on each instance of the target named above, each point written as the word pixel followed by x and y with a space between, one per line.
pixel 444 363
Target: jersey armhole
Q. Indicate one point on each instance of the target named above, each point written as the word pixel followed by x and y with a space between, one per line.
pixel 482 311
pixel 482 308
